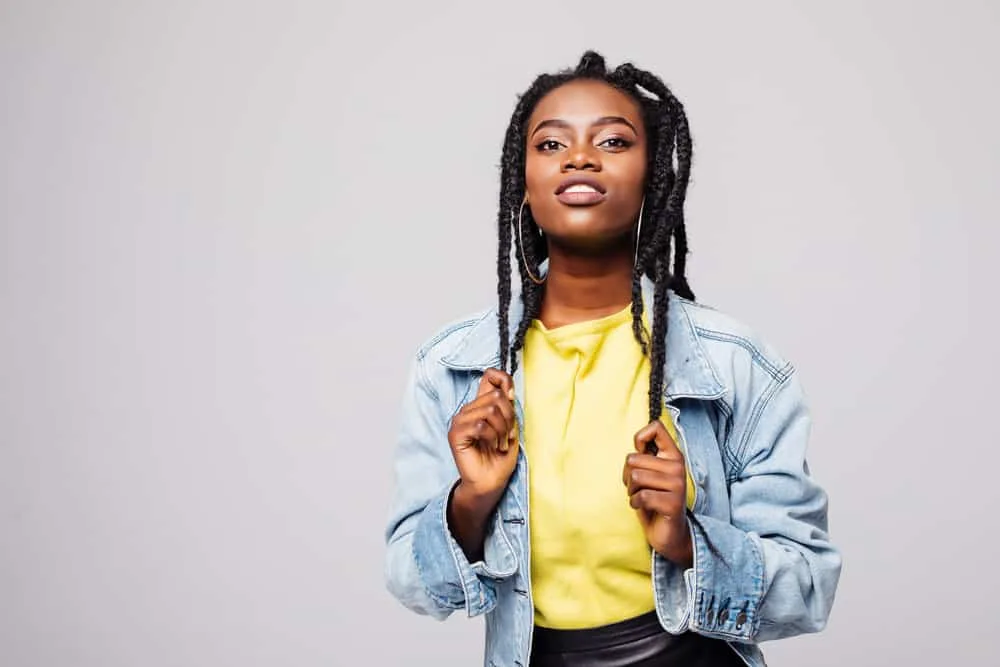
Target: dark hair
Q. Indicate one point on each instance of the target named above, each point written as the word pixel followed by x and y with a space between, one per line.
pixel 663 214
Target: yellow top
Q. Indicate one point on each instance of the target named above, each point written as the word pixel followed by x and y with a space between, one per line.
pixel 586 395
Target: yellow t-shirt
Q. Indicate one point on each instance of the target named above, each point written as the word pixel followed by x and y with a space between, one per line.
pixel 586 394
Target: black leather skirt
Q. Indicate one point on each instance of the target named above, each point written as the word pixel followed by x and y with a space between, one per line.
pixel 637 642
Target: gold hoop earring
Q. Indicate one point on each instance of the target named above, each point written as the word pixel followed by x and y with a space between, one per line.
pixel 520 240
pixel 638 233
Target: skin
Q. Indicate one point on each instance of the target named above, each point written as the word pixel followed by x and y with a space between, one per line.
pixel 591 129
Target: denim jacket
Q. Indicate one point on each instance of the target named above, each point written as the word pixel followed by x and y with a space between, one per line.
pixel 764 567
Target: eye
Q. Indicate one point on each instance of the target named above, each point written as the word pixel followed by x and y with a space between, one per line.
pixel 617 143
pixel 548 146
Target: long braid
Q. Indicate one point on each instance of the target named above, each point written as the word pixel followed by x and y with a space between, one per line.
pixel 638 329
pixel 674 136
pixel 659 356
pixel 660 176
pixel 532 293
pixel 680 283
pixel 662 225
pixel 511 196
pixel 503 287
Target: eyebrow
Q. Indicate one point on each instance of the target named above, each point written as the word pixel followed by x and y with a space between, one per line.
pixel 604 120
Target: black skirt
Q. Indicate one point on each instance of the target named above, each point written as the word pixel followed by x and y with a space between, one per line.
pixel 637 642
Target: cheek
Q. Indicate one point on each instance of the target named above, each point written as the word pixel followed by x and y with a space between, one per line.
pixel 634 174
pixel 537 172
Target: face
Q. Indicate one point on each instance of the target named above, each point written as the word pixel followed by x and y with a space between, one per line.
pixel 585 165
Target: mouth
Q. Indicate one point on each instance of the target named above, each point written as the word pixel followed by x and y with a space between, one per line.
pixel 581 191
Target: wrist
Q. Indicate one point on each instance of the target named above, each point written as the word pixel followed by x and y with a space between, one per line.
pixel 468 513
pixel 681 553
pixel 473 502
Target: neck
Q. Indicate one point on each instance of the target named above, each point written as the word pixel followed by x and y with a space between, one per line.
pixel 579 288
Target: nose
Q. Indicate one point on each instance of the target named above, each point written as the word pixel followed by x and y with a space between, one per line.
pixel 580 157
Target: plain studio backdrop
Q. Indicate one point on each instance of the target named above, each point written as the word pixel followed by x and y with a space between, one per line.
pixel 225 227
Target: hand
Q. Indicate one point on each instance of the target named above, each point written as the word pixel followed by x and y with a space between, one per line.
pixel 656 479
pixel 484 439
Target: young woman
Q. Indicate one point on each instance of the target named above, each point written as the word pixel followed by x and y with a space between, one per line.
pixel 669 517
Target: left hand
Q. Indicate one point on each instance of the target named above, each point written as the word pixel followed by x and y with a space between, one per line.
pixel 657 489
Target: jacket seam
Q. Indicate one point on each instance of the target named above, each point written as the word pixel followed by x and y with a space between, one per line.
pixel 725 446
pixel 752 349
pixel 758 595
pixel 763 401
pixel 426 348
pixel 696 345
pixel 470 323
pixel 423 382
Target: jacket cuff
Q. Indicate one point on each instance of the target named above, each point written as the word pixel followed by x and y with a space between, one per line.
pixel 720 594
pixel 447 575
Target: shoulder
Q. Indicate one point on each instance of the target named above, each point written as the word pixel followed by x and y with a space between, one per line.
pixel 466 342
pixel 731 345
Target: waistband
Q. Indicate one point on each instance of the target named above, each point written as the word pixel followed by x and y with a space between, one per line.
pixel 549 640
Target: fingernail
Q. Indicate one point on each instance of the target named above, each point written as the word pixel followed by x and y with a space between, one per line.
pixel 510 393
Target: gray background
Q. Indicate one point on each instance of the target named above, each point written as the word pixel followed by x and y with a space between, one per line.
pixel 227 225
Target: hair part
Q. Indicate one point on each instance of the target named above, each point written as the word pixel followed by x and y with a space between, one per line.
pixel 662 245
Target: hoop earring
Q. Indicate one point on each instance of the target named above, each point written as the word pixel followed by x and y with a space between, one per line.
pixel 638 232
pixel 520 240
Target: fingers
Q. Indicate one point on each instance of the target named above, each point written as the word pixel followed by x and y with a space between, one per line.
pixel 493 416
pixel 657 464
pixel 655 433
pixel 478 428
pixel 663 503
pixel 655 474
pixel 496 402
pixel 489 419
pixel 494 378
pixel 493 398
pixel 647 462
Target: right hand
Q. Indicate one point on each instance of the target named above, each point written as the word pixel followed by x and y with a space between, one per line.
pixel 484 438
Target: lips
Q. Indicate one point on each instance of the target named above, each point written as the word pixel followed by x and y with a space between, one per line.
pixel 580 191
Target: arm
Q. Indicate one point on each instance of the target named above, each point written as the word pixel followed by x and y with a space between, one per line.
pixel 425 567
pixel 772 572
pixel 468 516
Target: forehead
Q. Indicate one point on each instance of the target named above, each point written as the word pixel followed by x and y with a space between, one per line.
pixel 584 100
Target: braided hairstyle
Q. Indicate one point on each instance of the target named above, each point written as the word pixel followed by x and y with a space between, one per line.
pixel 663 240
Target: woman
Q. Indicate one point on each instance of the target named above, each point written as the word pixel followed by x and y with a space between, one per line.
pixel 669 517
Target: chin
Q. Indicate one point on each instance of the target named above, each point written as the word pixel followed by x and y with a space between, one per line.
pixel 589 222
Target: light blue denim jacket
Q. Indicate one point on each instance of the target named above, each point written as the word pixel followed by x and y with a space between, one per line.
pixel 764 567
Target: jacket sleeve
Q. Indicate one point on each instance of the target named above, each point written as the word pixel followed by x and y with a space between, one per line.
pixel 772 572
pixel 425 568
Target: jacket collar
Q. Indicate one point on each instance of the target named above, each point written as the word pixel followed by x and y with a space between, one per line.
pixel 689 372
